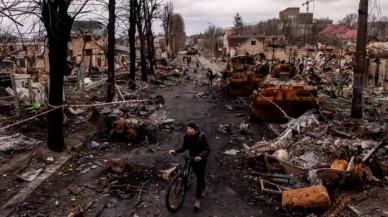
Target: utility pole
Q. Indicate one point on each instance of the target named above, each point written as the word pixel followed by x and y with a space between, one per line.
pixel 360 64
pixel 307 4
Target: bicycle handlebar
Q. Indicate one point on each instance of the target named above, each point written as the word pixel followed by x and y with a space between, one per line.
pixel 183 155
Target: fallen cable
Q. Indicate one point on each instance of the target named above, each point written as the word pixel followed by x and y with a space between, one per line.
pixel 97 104
pixel 284 113
pixel 28 119
pixel 66 105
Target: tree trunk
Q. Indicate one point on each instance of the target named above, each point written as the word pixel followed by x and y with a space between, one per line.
pixel 140 31
pixel 132 47
pixel 359 70
pixel 143 58
pixel 58 25
pixel 150 47
pixel 57 59
pixel 167 43
pixel 110 55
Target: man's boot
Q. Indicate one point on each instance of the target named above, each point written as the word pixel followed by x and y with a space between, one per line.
pixel 197 204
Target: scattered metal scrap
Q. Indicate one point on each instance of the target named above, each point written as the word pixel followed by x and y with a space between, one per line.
pixel 135 120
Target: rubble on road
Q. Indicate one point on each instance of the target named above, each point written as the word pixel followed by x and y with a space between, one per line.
pixel 134 120
pixel 17 142
pixel 321 150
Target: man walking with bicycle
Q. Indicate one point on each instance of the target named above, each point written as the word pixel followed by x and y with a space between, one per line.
pixel 196 142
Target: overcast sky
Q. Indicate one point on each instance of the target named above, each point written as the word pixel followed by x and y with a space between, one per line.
pixel 198 13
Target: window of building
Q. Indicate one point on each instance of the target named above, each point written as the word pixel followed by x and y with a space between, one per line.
pixel 88 52
pixel 88 38
pixel 253 42
pixel 22 63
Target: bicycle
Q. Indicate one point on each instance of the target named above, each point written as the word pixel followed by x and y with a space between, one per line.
pixel 178 186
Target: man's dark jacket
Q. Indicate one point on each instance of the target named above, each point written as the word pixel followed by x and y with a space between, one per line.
pixel 197 145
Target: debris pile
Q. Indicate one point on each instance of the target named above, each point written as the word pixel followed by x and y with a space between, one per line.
pixel 134 120
pixel 313 153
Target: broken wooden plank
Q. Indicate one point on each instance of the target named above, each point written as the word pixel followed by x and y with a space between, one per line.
pixel 100 206
pixel 96 84
pixel 371 152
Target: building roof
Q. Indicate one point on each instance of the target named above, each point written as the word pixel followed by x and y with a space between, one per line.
pixel 88 26
pixel 290 8
pixel 343 31
pixel 237 40
pixel 122 48
pixel 229 32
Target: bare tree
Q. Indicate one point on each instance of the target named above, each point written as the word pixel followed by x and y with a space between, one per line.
pixel 7 43
pixel 141 31
pixel 211 34
pixel 110 55
pixel 55 17
pixel 150 9
pixel 166 17
pixel 132 40
pixel 177 33
pixel 350 20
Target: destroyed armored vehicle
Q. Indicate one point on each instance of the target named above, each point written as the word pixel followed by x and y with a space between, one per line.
pixel 277 98
pixel 192 51
pixel 135 120
pixel 244 73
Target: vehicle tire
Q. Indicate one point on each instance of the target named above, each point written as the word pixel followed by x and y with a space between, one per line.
pixel 175 193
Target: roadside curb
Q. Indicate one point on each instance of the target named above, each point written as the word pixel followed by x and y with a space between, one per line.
pixel 25 192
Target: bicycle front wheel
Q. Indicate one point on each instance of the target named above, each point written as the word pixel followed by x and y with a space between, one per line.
pixel 175 193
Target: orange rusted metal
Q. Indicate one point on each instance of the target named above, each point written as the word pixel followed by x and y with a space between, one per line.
pixel 292 96
pixel 132 134
pixel 361 174
pixel 339 165
pixel 240 84
pixel 244 73
pixel 159 99
pixel 118 126
pixel 314 197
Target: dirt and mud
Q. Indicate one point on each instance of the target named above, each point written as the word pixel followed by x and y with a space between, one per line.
pixel 86 184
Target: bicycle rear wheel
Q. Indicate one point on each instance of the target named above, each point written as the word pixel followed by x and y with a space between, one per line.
pixel 175 193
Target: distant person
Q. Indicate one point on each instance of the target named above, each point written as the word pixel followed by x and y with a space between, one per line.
pixel 196 142
pixel 188 61
pixel 197 64
pixel 301 68
pixel 210 76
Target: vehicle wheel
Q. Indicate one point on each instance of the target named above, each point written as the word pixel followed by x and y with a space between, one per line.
pixel 175 193
pixel 160 99
pixel 118 126
pixel 132 134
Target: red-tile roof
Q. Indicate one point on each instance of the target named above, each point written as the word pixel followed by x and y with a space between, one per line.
pixel 343 31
